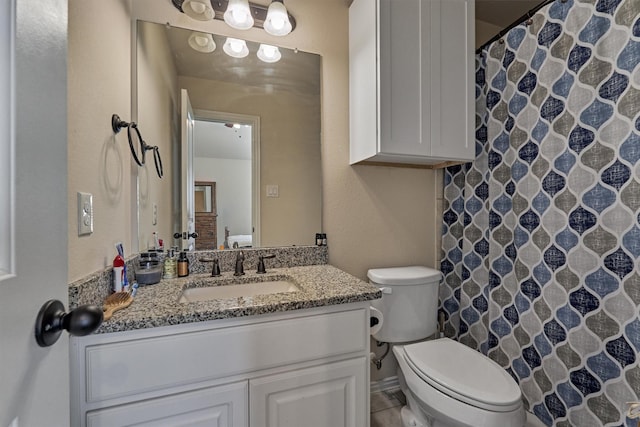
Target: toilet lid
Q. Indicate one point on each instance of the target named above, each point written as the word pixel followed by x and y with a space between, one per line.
pixel 464 374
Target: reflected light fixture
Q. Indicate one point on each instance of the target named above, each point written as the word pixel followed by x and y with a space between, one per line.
pixel 235 47
pixel 268 53
pixel 238 15
pixel 202 42
pixel 200 10
pixel 277 22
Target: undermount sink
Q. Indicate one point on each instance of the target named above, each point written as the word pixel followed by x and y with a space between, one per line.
pixel 237 290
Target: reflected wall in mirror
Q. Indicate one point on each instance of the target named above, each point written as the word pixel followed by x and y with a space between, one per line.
pixel 285 95
pixel 205 201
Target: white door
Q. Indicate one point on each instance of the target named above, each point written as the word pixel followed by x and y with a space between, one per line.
pixel 187 185
pixel 34 381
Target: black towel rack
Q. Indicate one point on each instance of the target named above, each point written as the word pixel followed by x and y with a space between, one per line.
pixel 134 133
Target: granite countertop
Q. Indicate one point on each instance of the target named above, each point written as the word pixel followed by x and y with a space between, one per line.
pixel 158 305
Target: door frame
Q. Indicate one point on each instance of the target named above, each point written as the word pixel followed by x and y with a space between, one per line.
pixel 254 122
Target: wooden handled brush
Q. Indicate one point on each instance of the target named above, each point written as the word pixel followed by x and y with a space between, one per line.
pixel 115 302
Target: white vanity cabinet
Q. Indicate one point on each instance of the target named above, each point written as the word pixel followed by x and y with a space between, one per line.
pixel 411 81
pixel 298 368
pixel 322 396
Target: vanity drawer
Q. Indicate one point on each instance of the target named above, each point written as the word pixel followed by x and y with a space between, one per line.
pixel 119 369
pixel 216 406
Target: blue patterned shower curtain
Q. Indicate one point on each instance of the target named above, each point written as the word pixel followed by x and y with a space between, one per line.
pixel 541 237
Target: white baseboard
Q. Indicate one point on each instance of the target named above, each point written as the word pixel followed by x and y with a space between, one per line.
pixel 389 383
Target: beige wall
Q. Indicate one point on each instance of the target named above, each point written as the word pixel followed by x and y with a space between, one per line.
pixel 158 118
pixel 289 154
pixel 373 216
pixel 99 85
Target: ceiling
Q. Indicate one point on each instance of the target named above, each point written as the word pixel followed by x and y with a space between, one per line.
pixel 503 12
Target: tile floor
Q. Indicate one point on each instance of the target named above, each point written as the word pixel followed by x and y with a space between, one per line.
pixel 386 405
pixel 385 408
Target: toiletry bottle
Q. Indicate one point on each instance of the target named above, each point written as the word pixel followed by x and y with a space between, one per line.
pixel 169 271
pixel 183 265
pixel 118 273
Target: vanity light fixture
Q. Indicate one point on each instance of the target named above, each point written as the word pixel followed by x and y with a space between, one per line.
pixel 200 10
pixel 268 53
pixel 238 15
pixel 277 22
pixel 202 42
pixel 236 48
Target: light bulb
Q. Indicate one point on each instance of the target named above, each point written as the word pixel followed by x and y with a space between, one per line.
pixel 238 15
pixel 235 48
pixel 277 22
pixel 197 7
pixel 202 42
pixel 268 53
pixel 198 10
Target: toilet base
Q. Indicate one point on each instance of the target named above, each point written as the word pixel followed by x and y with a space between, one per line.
pixel 409 419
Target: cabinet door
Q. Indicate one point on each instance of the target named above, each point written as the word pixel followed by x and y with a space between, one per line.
pixel 222 406
pixel 452 105
pixel 404 64
pixel 333 395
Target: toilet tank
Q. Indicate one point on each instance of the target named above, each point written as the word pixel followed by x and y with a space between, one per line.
pixel 409 303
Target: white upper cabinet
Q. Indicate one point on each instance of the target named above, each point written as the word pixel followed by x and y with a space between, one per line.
pixel 411 81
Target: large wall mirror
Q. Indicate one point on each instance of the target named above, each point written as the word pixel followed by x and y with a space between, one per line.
pixel 266 169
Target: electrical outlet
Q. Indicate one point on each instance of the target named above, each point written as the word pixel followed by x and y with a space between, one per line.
pixel 85 213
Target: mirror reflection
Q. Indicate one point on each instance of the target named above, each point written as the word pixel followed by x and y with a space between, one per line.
pixel 282 203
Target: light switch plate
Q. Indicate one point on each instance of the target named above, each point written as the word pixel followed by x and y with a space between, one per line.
pixel 273 190
pixel 85 213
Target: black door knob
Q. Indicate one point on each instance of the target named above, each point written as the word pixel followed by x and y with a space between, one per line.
pixel 184 235
pixel 52 320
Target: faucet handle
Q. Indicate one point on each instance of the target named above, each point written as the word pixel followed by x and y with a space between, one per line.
pixel 215 270
pixel 239 267
pixel 261 268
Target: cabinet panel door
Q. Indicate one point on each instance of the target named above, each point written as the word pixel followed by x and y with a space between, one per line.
pixel 222 406
pixel 452 24
pixel 333 395
pixel 401 53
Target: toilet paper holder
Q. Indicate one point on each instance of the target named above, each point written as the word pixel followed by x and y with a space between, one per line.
pixel 376 319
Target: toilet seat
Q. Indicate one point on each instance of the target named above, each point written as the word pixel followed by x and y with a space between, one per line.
pixel 463 374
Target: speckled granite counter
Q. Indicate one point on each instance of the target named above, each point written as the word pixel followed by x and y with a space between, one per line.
pixel 158 305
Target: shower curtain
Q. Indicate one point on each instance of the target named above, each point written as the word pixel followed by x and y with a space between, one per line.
pixel 541 233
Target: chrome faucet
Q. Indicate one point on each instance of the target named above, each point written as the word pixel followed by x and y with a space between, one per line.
pixel 239 267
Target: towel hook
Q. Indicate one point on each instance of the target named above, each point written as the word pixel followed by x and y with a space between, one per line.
pixel 117 124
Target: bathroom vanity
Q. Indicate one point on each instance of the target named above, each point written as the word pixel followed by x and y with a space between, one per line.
pixel 283 359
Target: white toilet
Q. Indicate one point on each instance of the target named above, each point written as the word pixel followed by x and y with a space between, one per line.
pixel 447 384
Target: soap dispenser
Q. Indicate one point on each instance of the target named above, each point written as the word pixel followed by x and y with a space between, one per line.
pixel 183 265
pixel 169 271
